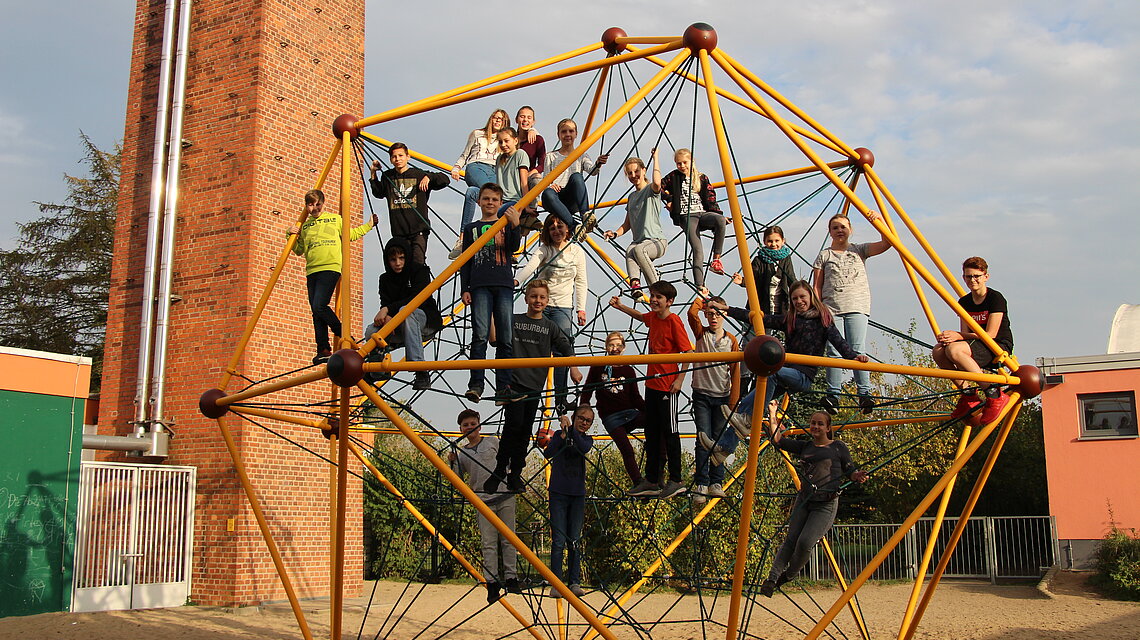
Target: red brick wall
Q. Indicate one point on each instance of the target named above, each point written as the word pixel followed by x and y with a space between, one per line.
pixel 266 80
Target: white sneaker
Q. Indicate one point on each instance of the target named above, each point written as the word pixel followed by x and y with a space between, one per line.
pixel 698 494
pixel 717 491
pixel 741 423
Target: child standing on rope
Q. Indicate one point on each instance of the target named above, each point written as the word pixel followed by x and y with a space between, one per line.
pixel 619 402
pixel 666 335
pixel 536 337
pixel 568 195
pixel 567 455
pixel 714 386
pixel 824 463
pixel 318 239
pixel 772 269
pixel 963 350
pixel 840 279
pixel 487 282
pixel 691 201
pixel 407 189
pixel 475 460
pixel 643 218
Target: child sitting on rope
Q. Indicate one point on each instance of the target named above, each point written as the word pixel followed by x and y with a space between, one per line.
pixel 691 201
pixel 643 218
pixel 964 350
pixel 475 460
pixel 619 402
pixel 318 239
pixel 568 195
pixel 407 190
pixel 806 329
pixel 773 272
pixel 567 455
pixel 824 464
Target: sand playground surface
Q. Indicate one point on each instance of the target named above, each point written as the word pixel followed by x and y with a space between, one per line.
pixel 1068 608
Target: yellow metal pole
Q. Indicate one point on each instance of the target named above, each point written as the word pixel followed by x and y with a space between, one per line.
pixel 853 606
pixel 254 317
pixel 923 505
pixel 432 531
pixel 967 511
pixel 928 552
pixel 280 417
pixel 744 529
pixel 421 107
pixel 263 525
pixel 487 513
pixel 602 77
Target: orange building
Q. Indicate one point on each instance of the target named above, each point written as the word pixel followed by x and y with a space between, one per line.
pixel 1088 409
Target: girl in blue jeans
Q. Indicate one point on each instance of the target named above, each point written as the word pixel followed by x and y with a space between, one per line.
pixel 807 328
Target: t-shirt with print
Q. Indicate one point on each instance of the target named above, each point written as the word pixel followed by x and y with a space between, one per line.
pixel 491 265
pixel 822 468
pixel 666 335
pixel 994 302
pixel 536 338
pixel 845 285
pixel 644 210
pixel 507 174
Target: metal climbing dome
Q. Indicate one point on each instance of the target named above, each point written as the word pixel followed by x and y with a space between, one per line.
pixel 367 386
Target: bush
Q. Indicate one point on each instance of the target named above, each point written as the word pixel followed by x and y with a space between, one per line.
pixel 1118 564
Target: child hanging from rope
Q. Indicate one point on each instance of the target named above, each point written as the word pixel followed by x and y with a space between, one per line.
pixel 318 239
pixel 619 402
pixel 568 194
pixel 567 455
pixel 772 269
pixel 691 201
pixel 807 328
pixel 824 464
pixel 643 218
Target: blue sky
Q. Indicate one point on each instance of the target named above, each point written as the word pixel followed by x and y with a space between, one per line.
pixel 1006 130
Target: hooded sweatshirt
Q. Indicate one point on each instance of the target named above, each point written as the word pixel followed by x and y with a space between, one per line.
pixel 398 289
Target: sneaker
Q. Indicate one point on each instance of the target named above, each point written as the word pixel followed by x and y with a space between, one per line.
pixel 515 484
pixel 717 456
pixel 457 250
pixel 866 405
pixel 590 221
pixel 553 593
pixel 473 394
pixel 492 484
pixel 699 494
pixel 577 590
pixel 705 442
pixel 830 404
pixel 579 233
pixel 672 489
pixel 644 488
pixel 322 356
pixel 494 592
pixel 422 381
pixel 512 585
pixel 635 288
pixel 741 423
pixel 782 580
pixel 716 266
pixel 768 588
pixel 717 491
pixel 967 402
pixel 993 407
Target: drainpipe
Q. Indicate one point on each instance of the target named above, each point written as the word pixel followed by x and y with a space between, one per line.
pixel 157 170
pixel 170 218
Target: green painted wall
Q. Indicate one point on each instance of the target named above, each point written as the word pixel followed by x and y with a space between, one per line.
pixel 40 445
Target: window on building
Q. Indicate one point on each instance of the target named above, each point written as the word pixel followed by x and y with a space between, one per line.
pixel 1108 415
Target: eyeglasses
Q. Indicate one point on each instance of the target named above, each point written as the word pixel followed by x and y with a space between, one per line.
pixel 973 276
pixel 584 419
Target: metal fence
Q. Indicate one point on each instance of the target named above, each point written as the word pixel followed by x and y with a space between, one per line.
pixel 1009 547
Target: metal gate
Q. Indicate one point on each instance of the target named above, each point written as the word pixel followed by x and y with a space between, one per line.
pixel 133 536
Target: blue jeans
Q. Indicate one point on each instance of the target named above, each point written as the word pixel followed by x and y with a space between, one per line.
pixel 786 379
pixel 489 303
pixel 477 174
pixel 853 327
pixel 563 317
pixel 410 334
pixel 321 285
pixel 710 421
pixel 573 198
pixel 566 516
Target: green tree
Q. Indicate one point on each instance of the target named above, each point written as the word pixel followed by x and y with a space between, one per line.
pixel 54 284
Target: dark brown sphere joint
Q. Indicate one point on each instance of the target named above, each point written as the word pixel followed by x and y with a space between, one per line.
pixel 609 39
pixel 866 158
pixel 208 404
pixel 345 122
pixel 764 355
pixel 345 368
pixel 1031 381
pixel 699 36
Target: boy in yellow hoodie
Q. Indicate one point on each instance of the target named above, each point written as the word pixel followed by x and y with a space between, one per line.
pixel 319 242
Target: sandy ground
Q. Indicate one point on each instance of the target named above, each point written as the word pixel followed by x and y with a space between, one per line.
pixel 960 610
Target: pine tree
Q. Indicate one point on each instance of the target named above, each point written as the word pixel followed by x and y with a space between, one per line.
pixel 54 284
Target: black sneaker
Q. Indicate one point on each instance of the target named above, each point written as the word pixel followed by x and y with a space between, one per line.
pixel 830 404
pixel 782 580
pixel 494 590
pixel 515 484
pixel 866 404
pixel 422 381
pixel 322 356
pixel 492 484
pixel 474 394
pixel 512 585
pixel 768 588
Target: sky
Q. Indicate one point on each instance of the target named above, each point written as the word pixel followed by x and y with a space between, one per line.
pixel 1006 130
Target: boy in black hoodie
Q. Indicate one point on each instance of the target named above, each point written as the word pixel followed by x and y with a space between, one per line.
pixel 401 281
